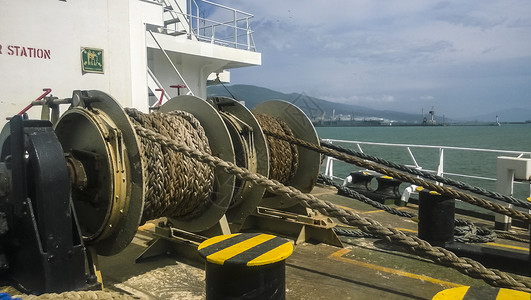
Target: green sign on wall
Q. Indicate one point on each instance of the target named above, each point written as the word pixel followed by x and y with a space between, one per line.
pixel 92 60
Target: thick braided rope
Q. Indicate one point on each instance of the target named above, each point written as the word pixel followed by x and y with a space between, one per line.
pixel 413 244
pixel 448 181
pixel 80 295
pixel 177 186
pixel 283 156
pixel 495 207
pixel 465 231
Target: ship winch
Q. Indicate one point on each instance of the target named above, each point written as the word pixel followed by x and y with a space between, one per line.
pixel 88 180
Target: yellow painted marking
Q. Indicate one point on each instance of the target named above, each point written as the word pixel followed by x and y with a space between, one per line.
pixel 365 212
pixel 338 255
pixel 508 246
pixel 452 294
pixel 529 199
pixel 507 294
pixel 434 193
pixel 215 240
pixel 324 193
pixel 408 230
pixel 387 177
pixel 279 253
pixel 147 226
pixel 419 188
pixel 221 256
pixel 379 210
pixel 348 208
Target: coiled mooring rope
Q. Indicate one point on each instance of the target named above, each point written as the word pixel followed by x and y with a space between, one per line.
pixel 177 186
pixel 79 295
pixel 283 156
pixel 445 191
pixel 412 243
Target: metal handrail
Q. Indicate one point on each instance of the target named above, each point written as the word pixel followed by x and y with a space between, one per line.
pixel 212 25
pixel 171 62
pixel 432 147
pixel 159 86
pixel 440 168
pixel 228 8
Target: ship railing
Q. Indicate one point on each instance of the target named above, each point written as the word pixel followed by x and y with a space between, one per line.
pixel 190 92
pixel 226 26
pixel 441 160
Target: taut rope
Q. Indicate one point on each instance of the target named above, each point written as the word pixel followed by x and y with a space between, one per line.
pixel 413 244
pixel 495 207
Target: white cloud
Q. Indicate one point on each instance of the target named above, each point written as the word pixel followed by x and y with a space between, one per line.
pixel 364 51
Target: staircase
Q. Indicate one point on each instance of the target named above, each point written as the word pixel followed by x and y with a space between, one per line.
pixel 181 19
pixel 175 20
pixel 155 90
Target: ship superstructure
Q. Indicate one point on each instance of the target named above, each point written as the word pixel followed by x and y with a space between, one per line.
pixel 130 49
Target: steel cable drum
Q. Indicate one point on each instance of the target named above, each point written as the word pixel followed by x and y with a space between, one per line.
pixel 308 162
pixel 106 170
pixel 250 150
pixel 221 146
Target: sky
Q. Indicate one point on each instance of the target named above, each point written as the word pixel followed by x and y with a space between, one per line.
pixel 461 57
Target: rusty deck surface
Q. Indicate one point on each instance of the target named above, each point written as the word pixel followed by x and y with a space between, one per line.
pixel 365 268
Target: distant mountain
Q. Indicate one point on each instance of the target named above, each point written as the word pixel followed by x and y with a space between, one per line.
pixel 313 107
pixel 508 115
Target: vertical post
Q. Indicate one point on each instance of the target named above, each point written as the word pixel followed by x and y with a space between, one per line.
pixel 504 185
pixel 248 33
pixel 510 169
pixel 436 218
pixel 440 168
pixel 331 169
pixel 235 31
pixel 190 20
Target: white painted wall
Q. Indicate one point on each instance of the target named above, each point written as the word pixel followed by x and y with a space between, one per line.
pixel 116 26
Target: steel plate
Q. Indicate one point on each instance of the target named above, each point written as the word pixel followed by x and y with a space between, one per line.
pixel 250 195
pixel 73 129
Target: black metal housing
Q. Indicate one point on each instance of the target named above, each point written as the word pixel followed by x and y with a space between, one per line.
pixel 43 246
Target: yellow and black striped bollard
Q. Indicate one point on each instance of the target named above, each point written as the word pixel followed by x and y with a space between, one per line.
pixel 245 266
pixel 481 293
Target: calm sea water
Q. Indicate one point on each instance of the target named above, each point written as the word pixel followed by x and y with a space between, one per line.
pixel 515 137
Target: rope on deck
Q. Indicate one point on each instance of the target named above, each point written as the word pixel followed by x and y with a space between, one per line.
pixel 445 191
pixel 465 231
pixel 459 184
pixel 413 244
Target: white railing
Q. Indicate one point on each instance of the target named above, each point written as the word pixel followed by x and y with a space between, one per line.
pixel 230 28
pixel 480 172
pixel 171 63
pixel 156 88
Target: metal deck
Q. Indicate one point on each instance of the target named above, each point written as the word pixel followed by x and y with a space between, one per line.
pixel 365 268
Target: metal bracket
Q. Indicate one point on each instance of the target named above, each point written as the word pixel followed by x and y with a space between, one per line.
pixel 301 228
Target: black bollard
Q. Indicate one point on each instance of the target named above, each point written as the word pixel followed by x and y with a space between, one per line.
pixel 361 179
pixel 388 186
pixel 436 218
pixel 245 266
